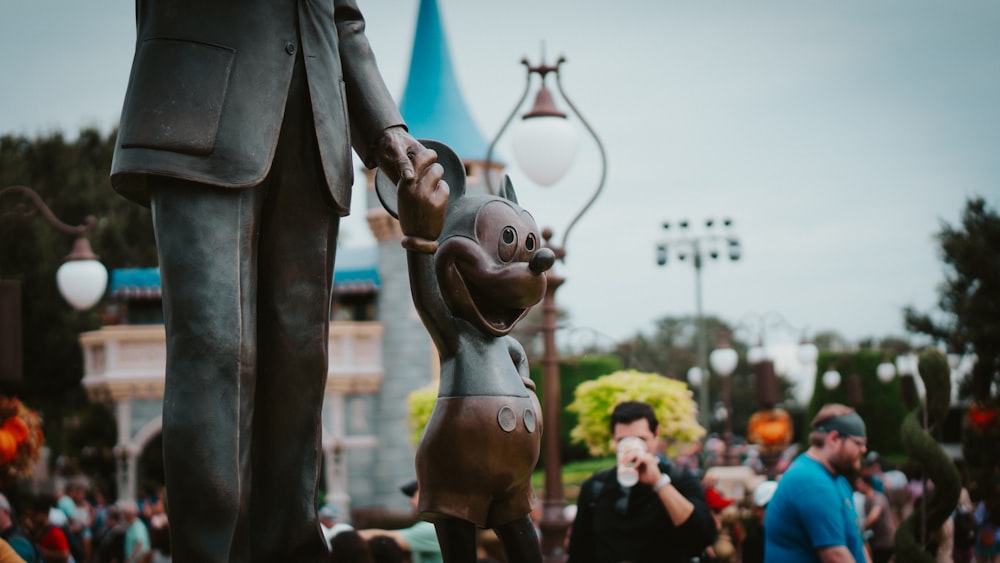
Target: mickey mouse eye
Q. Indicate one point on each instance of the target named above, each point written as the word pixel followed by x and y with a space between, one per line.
pixel 508 244
pixel 529 244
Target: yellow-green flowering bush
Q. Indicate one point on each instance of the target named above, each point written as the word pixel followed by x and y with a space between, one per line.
pixel 671 400
pixel 419 404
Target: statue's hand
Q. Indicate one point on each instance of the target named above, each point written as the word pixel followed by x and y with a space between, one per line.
pixel 423 200
pixel 394 154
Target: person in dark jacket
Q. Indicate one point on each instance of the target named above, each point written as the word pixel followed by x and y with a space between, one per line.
pixel 663 517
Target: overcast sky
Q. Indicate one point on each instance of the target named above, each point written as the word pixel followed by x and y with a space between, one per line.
pixel 836 135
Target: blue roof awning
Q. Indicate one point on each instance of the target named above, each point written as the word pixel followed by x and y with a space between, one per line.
pixel 135 283
pixel 356 272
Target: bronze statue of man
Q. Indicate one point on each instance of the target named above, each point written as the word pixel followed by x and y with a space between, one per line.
pixel 237 130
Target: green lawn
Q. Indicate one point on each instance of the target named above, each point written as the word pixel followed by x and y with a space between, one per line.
pixel 573 475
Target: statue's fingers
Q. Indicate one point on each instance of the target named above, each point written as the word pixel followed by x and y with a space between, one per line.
pixel 421 160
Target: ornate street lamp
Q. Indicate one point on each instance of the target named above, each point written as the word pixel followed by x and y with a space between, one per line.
pixel 760 357
pixel 723 361
pixel 544 146
pixel 81 279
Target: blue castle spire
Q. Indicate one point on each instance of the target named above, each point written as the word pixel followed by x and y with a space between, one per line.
pixel 432 104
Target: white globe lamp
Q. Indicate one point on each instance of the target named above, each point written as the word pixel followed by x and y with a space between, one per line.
pixel 723 361
pixel 694 376
pixel 756 354
pixel 82 282
pixel 831 379
pixel 82 279
pixel 545 147
pixel 807 353
pixel 885 371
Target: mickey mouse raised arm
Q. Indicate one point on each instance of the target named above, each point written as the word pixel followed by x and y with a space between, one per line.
pixel 476 267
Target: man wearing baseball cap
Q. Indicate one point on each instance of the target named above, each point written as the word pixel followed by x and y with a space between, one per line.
pixel 811 516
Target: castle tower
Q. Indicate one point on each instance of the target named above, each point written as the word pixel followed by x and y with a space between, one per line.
pixel 433 107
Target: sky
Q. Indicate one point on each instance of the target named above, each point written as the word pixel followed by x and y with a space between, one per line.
pixel 837 137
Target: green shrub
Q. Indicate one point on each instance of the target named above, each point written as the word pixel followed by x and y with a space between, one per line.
pixel 572 373
pixel 670 398
pixel 419 404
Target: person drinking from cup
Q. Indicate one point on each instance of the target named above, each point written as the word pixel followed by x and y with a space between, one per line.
pixel 643 509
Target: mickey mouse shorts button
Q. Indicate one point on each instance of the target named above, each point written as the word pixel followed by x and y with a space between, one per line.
pixel 507 419
pixel 529 420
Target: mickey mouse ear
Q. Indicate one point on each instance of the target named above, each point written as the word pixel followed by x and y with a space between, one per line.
pixel 507 190
pixel 454 176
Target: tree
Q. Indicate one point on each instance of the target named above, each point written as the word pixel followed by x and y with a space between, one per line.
pixel 673 346
pixel 969 297
pixel 72 178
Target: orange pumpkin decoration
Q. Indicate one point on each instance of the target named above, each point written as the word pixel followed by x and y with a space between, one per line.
pixel 771 429
pixel 18 428
pixel 21 440
pixel 8 446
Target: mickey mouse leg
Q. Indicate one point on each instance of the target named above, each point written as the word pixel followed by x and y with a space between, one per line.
pixel 520 540
pixel 457 539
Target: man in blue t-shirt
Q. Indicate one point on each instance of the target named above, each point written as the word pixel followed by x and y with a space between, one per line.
pixel 811 516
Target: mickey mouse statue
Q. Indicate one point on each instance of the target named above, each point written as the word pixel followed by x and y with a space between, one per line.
pixel 476 267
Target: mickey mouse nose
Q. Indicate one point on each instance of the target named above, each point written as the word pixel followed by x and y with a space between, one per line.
pixel 542 261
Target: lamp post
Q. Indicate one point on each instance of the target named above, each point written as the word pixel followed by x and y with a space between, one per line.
pixel 544 146
pixel 698 246
pixel 723 361
pixel 770 427
pixel 760 359
pixel 81 279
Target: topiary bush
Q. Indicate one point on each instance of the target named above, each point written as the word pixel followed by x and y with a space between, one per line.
pixel 595 400
pixel 941 500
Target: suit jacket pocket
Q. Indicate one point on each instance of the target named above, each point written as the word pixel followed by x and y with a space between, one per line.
pixel 175 96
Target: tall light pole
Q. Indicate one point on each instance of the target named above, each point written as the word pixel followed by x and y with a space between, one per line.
pixel 714 242
pixel 81 279
pixel 544 145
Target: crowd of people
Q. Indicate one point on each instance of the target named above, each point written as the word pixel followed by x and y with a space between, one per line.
pixel 79 526
pixel 834 502
pixel 837 501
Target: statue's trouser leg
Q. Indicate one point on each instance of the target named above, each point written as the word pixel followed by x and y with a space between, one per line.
pixel 209 297
pixel 247 277
pixel 520 540
pixel 457 539
pixel 293 320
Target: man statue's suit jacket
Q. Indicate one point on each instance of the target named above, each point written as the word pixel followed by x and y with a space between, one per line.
pixel 209 83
